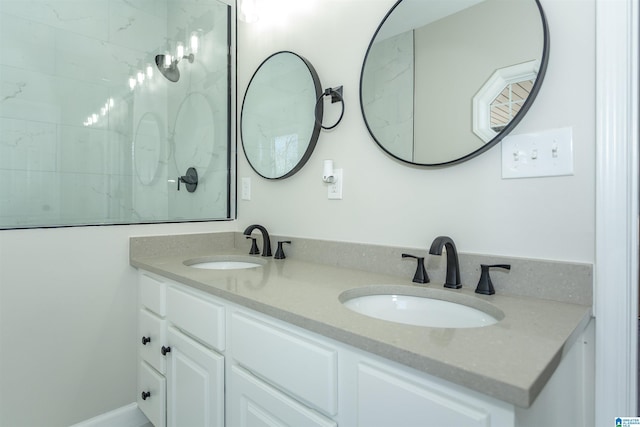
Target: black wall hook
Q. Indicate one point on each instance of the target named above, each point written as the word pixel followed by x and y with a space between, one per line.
pixel 336 96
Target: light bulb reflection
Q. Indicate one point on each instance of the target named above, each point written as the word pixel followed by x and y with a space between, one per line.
pixel 179 50
pixel 194 42
pixel 249 11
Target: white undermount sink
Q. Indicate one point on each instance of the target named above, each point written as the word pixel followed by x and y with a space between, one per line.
pixel 224 262
pixel 421 307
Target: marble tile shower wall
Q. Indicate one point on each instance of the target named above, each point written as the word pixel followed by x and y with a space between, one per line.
pixel 388 92
pixel 63 61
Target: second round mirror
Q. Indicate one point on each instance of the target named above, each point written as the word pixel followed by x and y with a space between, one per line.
pixel 278 122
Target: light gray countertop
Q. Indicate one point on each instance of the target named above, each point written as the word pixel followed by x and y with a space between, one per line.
pixel 511 360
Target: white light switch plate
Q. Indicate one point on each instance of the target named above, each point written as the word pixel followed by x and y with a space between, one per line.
pixel 546 153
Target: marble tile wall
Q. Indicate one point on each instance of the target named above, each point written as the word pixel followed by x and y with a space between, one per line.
pixel 61 62
pixel 388 89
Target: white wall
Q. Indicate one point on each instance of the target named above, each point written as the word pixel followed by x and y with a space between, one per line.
pixel 389 203
pixel 67 296
pixel 68 316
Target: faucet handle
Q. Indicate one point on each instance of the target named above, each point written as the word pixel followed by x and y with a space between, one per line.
pixel 254 246
pixel 485 286
pixel 280 252
pixel 420 275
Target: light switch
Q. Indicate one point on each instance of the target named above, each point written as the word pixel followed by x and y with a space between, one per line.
pixel 546 153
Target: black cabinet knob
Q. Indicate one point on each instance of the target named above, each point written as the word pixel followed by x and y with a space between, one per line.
pixel 164 350
pixel 146 395
pixel 146 340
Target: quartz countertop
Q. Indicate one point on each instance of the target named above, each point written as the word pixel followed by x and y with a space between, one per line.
pixel 511 360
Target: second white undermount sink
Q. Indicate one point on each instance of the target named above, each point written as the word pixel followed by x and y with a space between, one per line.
pixel 428 309
pixel 223 262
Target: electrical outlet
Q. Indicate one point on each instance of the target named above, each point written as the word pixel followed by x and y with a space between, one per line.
pixel 546 153
pixel 246 188
pixel 334 191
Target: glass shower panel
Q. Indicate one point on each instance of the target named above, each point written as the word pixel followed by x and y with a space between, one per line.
pixel 91 130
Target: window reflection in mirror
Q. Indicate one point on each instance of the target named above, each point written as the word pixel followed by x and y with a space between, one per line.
pixel 505 106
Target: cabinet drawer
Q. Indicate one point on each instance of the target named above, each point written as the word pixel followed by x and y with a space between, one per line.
pixel 253 403
pixel 304 368
pixel 152 293
pixel 197 316
pixel 153 404
pixel 152 336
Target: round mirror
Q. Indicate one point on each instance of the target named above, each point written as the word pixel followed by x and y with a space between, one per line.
pixel 278 126
pixel 445 80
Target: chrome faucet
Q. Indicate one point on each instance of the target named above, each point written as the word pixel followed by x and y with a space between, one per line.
pixel 266 242
pixel 453 267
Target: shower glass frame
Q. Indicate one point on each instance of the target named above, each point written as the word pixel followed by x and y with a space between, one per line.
pixel 79 146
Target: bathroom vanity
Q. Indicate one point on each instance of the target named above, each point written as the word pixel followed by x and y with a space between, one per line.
pixel 273 345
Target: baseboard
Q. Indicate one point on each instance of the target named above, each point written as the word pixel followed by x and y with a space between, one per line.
pixel 126 416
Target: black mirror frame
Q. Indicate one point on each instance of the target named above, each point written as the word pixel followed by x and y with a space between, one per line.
pixel 316 125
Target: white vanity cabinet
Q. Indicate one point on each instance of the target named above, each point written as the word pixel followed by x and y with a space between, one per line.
pixel 181 369
pixel 227 365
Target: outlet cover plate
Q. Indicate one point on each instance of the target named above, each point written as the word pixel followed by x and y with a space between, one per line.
pixel 334 191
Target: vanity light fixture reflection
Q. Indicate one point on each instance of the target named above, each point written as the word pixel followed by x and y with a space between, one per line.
pixel 249 11
pixel 168 64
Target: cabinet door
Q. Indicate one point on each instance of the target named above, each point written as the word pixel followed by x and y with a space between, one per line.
pixel 388 397
pixel 253 403
pixel 195 383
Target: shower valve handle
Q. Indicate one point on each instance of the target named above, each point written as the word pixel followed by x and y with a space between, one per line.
pixel 190 180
